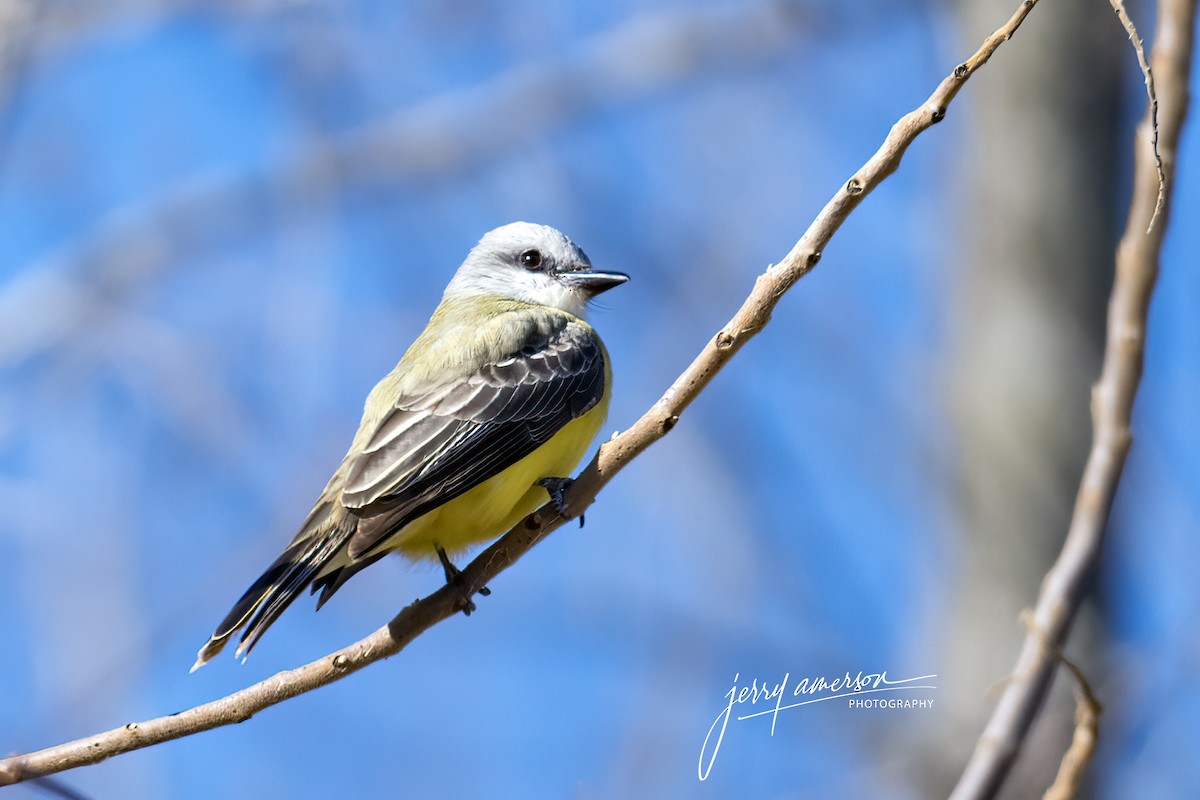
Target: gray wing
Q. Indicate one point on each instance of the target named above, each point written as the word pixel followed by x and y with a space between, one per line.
pixel 435 446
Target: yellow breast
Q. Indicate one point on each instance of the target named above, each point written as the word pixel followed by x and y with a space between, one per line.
pixel 499 503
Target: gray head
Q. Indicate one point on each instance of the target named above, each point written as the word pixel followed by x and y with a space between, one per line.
pixel 533 263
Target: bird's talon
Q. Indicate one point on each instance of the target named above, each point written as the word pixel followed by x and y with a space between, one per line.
pixel 557 489
pixel 454 579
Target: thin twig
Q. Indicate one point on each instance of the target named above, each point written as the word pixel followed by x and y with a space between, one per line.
pixel 1083 742
pixel 1112 402
pixel 612 457
pixel 1151 100
pixel 1087 723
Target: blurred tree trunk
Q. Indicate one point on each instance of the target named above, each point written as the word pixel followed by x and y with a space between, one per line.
pixel 1026 326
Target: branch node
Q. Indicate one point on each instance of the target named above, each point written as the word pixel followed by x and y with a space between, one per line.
pixel 853 186
pixel 962 71
pixel 724 340
pixel 340 661
pixel 669 422
pixel 938 114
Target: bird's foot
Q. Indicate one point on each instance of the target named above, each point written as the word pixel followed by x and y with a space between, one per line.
pixel 557 489
pixel 454 578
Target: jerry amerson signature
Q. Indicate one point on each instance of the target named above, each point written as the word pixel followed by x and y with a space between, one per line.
pixel 817 689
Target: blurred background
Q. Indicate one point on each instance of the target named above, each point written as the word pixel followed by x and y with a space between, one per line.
pixel 221 223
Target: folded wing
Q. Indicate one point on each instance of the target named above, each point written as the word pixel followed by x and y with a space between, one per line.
pixel 443 440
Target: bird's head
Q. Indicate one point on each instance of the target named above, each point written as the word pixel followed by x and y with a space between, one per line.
pixel 534 264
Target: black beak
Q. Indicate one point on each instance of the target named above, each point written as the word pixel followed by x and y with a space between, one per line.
pixel 593 282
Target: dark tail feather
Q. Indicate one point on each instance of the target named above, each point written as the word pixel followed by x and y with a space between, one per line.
pixel 332 581
pixel 284 581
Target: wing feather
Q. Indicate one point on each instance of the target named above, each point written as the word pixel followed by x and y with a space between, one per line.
pixel 438 443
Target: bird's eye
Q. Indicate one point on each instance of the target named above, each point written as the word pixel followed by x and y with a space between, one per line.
pixel 531 259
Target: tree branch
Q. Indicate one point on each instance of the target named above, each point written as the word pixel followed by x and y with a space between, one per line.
pixel 1112 403
pixel 1087 725
pixel 1151 100
pixel 751 318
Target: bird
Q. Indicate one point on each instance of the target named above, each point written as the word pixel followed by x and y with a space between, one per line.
pixel 492 406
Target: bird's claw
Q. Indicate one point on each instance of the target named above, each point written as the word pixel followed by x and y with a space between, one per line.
pixel 557 489
pixel 454 578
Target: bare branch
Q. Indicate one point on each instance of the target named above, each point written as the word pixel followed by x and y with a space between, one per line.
pixel 1112 403
pixel 1151 99
pixel 1083 742
pixel 751 318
